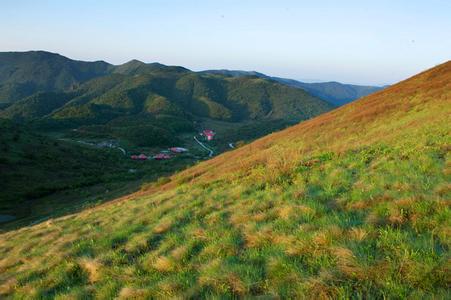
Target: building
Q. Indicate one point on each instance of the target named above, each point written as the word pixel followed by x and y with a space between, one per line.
pixel 161 156
pixel 178 149
pixel 209 134
pixel 139 157
pixel 142 157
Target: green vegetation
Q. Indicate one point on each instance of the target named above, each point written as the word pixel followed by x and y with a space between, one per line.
pixel 145 104
pixel 44 177
pixel 143 108
pixel 351 204
pixel 25 73
pixel 333 92
pixel 36 106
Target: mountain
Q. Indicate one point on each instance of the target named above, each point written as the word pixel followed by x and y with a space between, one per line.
pixel 236 73
pixel 36 106
pixel 233 99
pixel 24 73
pixel 334 92
pixel 166 101
pixel 136 67
pixel 351 204
pixel 169 101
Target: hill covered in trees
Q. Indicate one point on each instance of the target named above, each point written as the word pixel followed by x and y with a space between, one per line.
pixel 102 99
pixel 335 93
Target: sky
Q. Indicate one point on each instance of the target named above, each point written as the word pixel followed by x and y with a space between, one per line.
pixel 362 42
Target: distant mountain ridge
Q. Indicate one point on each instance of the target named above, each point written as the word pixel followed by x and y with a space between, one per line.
pixel 153 99
pixel 334 92
pixel 25 73
pixel 135 88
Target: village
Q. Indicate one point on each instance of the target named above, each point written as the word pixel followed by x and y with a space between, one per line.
pixel 205 135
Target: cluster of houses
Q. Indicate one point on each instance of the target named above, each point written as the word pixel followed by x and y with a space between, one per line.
pixel 208 134
pixel 163 155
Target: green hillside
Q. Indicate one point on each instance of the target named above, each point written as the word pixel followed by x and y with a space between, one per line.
pixel 165 102
pixel 43 176
pixel 136 67
pixel 24 73
pixel 333 92
pixel 351 204
pixel 193 95
pixel 36 106
pixel 34 166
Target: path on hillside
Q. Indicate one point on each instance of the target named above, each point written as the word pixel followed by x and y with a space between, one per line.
pixel 122 150
pixel 205 147
pixel 111 146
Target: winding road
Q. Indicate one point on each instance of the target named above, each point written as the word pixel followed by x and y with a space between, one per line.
pixel 97 146
pixel 205 147
pixel 122 150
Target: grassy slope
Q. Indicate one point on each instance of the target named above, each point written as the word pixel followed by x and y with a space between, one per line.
pixel 350 204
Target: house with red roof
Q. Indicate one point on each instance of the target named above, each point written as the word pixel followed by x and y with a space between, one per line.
pixel 161 156
pixel 139 157
pixel 209 134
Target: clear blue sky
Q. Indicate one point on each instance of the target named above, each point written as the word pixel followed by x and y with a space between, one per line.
pixel 366 42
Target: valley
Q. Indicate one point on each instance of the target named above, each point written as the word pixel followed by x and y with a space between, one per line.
pixel 69 139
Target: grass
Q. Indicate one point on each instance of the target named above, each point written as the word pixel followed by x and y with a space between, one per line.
pixel 352 204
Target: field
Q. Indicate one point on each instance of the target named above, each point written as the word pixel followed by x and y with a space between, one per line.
pixel 351 204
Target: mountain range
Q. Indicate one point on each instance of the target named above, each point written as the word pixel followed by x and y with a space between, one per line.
pixel 54 92
pixel 25 73
pixel 333 92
